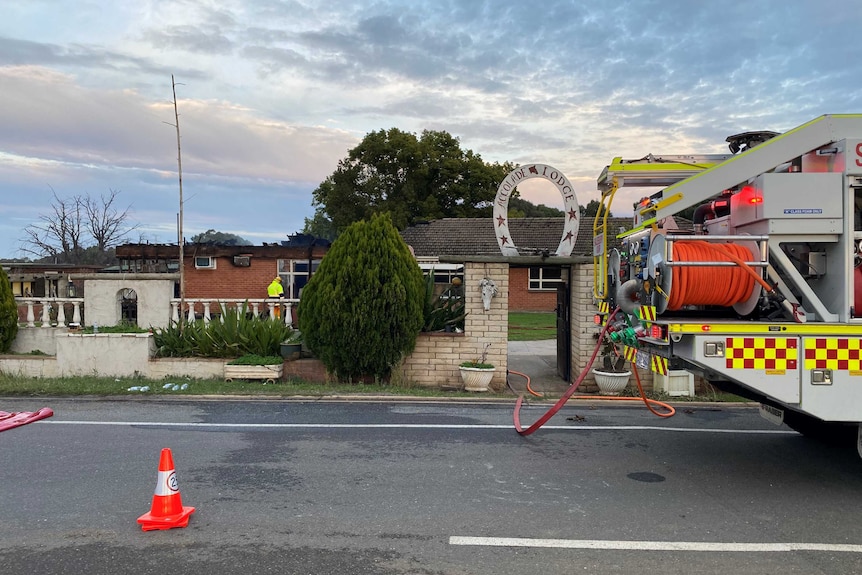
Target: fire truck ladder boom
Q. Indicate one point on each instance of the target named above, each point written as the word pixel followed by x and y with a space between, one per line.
pixel 758 160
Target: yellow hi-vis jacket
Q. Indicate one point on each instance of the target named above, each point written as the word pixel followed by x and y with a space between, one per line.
pixel 274 289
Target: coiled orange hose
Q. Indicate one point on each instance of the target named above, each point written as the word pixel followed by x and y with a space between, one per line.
pixel 704 285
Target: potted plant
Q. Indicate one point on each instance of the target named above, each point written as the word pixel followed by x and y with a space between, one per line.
pixel 269 368
pixel 613 376
pixel 477 374
pixel 291 348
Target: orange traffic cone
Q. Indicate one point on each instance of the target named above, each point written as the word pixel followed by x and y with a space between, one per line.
pixel 167 510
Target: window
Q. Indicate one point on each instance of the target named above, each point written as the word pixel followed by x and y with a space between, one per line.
pixel 205 263
pixel 294 275
pixel 445 276
pixel 128 300
pixel 545 279
pixel 448 278
pixel 22 289
pixel 443 273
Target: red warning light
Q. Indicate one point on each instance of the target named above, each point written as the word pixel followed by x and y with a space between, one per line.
pixel 656 332
pixel 750 195
pixel 597 319
pixel 705 328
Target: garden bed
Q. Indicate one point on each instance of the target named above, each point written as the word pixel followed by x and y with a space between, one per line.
pixel 268 373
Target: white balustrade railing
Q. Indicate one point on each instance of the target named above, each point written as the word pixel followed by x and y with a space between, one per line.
pixel 273 308
pixel 48 304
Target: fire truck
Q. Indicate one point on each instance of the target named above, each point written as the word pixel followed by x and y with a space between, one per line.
pixel 759 289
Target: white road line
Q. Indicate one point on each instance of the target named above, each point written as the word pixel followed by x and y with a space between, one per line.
pixel 654 545
pixel 415 426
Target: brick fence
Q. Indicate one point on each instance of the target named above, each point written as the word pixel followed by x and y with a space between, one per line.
pixel 434 362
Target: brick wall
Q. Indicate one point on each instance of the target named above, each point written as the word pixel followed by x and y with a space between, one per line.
pixel 228 281
pixel 521 298
pixel 434 362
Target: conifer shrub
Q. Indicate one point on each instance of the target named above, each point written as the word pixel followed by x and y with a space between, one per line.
pixel 361 312
pixel 8 313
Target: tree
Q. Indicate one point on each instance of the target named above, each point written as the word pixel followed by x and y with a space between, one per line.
pixel 521 208
pixel 220 238
pixel 592 208
pixel 412 178
pixel 63 236
pixel 107 225
pixel 319 226
pixel 362 310
pixel 8 313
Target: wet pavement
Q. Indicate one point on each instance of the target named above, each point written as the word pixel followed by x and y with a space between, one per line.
pixel 538 360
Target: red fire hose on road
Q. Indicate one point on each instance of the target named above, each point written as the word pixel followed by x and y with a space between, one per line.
pixel 569 392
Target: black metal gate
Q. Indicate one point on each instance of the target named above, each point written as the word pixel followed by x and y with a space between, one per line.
pixel 129 306
pixel 563 331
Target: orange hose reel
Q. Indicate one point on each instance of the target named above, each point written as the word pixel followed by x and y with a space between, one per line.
pixel 707 285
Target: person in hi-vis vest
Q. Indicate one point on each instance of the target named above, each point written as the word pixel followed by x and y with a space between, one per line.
pixel 274 290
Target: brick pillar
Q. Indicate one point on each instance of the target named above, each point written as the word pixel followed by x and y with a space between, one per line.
pixel 583 329
pixel 482 327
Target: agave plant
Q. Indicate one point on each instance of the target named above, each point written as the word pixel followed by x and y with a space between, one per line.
pixel 235 333
pixel 439 312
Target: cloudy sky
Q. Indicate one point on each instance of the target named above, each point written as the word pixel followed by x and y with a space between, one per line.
pixel 272 93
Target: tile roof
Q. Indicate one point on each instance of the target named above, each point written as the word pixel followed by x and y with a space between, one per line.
pixel 476 236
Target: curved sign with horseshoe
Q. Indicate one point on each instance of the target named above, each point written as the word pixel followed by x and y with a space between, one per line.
pixel 570 206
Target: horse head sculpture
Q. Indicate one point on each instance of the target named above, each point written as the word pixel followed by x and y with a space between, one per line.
pixel 489 290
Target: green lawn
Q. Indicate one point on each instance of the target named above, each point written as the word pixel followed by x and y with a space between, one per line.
pixel 531 326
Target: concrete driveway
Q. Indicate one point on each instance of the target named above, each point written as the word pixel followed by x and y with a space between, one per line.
pixel 538 360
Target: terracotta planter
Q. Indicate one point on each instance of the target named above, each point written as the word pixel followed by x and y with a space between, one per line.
pixel 477 378
pixel 611 383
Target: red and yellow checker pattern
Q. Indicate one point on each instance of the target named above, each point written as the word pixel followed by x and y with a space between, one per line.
pixel 774 355
pixel 836 353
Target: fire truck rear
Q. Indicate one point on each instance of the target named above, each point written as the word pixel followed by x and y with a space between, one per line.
pixel 762 295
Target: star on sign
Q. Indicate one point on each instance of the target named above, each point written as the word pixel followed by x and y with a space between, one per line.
pixel 504 239
pixel 500 221
pixel 573 215
pixel 568 237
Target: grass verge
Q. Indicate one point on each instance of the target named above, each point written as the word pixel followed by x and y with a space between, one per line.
pixel 710 395
pixel 11 386
pixel 532 326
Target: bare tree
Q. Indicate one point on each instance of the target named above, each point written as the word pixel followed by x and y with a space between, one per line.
pixel 57 235
pixel 106 223
pixel 61 235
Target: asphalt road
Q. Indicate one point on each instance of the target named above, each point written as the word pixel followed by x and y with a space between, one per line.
pixel 423 488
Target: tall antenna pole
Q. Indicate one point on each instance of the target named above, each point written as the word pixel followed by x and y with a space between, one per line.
pixel 180 217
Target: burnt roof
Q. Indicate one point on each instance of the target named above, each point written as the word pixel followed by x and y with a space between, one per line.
pixel 171 251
